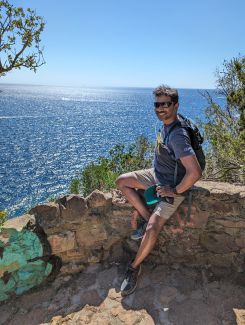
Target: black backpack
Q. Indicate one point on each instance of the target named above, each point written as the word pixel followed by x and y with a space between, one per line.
pixel 195 137
pixel 196 143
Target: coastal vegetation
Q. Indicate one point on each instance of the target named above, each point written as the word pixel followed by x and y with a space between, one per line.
pixel 20 32
pixel 225 126
pixel 3 217
pixel 224 130
pixel 121 159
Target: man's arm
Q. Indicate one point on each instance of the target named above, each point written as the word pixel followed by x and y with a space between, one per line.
pixel 193 173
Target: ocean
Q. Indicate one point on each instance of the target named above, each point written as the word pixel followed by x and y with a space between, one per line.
pixel 48 134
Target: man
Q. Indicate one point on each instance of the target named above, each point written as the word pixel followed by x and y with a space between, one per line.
pixel 188 172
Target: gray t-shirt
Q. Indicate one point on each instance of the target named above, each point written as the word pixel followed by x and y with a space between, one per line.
pixel 176 146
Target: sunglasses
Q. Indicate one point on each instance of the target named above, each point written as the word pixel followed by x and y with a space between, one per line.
pixel 162 104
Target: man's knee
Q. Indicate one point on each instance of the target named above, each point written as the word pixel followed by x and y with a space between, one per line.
pixel 152 230
pixel 120 181
pixel 123 180
pixel 155 226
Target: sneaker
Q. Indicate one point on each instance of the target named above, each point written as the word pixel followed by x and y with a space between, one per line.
pixel 129 283
pixel 139 232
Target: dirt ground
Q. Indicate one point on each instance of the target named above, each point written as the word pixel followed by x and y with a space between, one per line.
pixel 165 295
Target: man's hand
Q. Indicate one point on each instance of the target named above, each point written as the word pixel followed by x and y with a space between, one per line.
pixel 165 191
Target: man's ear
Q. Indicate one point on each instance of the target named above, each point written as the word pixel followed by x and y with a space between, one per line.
pixel 176 106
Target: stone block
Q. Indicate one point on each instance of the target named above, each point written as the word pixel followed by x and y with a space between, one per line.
pixel 240 241
pixel 231 231
pixel 74 255
pixel 218 242
pixel 116 254
pixel 221 260
pixel 225 208
pixel 200 259
pixel 200 192
pixel 203 205
pixel 90 234
pixel 19 223
pixel 73 208
pixel 98 199
pixel 242 203
pixel 221 188
pixel 62 242
pixel 220 195
pixel 111 241
pixel 121 213
pixel 182 249
pixel 131 246
pixel 121 224
pixel 47 215
pixel 198 219
pixel 231 222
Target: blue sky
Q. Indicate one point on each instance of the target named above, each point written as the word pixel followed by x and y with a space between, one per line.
pixel 135 43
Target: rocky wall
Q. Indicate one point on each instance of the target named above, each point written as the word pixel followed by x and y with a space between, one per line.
pixel 72 232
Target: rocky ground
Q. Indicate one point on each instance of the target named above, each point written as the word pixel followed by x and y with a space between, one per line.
pixel 169 296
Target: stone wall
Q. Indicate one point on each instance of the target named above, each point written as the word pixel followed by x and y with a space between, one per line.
pixel 72 232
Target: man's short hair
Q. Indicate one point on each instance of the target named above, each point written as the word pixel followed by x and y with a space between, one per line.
pixel 165 90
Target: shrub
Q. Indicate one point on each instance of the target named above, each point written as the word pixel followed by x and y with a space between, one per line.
pixel 225 126
pixel 3 216
pixel 102 174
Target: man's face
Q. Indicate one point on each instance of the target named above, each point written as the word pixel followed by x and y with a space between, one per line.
pixel 165 109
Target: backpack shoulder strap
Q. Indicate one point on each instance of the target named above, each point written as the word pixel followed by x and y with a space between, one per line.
pixel 179 123
pixel 166 138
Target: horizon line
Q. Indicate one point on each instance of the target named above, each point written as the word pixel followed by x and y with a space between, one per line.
pixel 70 86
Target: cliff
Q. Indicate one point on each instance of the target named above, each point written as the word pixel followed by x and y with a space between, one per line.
pixel 84 243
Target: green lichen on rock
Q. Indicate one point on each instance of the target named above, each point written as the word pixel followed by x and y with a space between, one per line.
pixel 21 264
pixel 22 246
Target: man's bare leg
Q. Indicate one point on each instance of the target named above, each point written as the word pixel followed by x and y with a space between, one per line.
pixel 134 217
pixel 127 183
pixel 154 226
